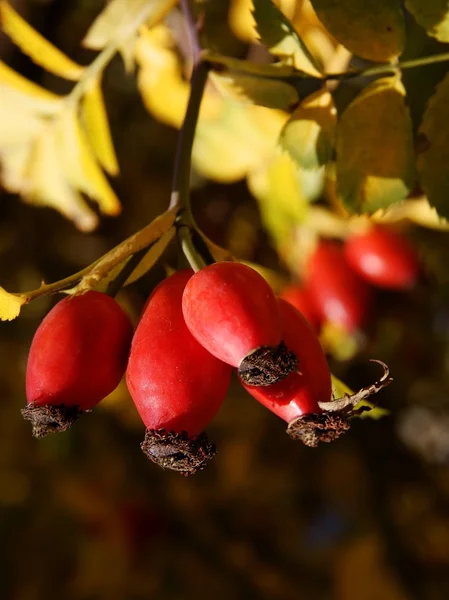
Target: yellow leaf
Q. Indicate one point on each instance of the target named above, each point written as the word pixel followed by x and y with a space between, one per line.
pixel 79 165
pixel 36 46
pixel 309 133
pixel 432 15
pixel 17 122
pixel 45 183
pixel 155 234
pixel 375 159
pixel 164 91
pixel 117 20
pixel 251 89
pixel 14 163
pixel 236 141
pixel 277 188
pixel 41 98
pixel 152 256
pixel 280 37
pixel 97 127
pixel 372 29
pixel 433 159
pixel 10 305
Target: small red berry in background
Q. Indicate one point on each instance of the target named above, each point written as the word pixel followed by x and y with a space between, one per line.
pixel 339 295
pixel 297 397
pixel 176 384
pixel 300 298
pixel 384 258
pixel 233 312
pixel 78 356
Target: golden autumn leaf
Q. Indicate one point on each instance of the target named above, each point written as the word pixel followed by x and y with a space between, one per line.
pixel 10 305
pixel 308 135
pixel 375 163
pixel 433 160
pixel 79 164
pixel 38 97
pixel 46 184
pixel 433 15
pixel 280 37
pixel 372 29
pixel 32 43
pixel 97 126
pixel 116 25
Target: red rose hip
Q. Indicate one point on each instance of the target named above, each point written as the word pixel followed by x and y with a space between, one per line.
pixel 304 399
pixel 77 357
pixel 233 312
pixel 339 295
pixel 383 258
pixel 176 384
pixel 300 298
pixel 297 396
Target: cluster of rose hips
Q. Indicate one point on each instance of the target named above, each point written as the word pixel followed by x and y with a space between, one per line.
pixel 338 282
pixel 194 330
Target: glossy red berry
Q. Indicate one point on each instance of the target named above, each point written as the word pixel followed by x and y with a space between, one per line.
pixel 383 257
pixel 176 384
pixel 77 357
pixel 299 394
pixel 233 312
pixel 300 298
pixel 339 295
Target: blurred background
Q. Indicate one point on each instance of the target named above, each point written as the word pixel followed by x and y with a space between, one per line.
pixel 85 516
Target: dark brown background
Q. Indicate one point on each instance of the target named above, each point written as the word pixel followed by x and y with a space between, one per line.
pixel 85 516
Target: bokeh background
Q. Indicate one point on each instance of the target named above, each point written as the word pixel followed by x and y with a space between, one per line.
pixel 85 516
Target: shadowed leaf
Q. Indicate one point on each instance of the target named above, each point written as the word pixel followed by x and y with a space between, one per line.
pixel 308 135
pixel 372 29
pixel 375 158
pixel 433 161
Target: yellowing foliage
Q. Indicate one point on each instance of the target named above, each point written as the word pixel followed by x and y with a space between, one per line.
pixel 10 305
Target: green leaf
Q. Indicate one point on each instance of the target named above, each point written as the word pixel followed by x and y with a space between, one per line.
pixel 372 29
pixel 251 89
pixel 308 135
pixel 279 36
pixel 339 389
pixel 433 15
pixel 375 158
pixel 434 160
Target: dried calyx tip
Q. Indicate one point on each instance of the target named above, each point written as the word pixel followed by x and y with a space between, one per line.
pixel 330 424
pixel 267 365
pixel 318 427
pixel 347 402
pixel 47 419
pixel 178 452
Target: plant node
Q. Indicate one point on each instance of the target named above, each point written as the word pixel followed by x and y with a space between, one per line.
pixel 178 452
pixel 267 365
pixel 50 419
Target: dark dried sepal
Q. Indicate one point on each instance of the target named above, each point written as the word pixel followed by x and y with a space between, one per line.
pixel 178 452
pixel 318 427
pixel 267 365
pixel 330 424
pixel 50 419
